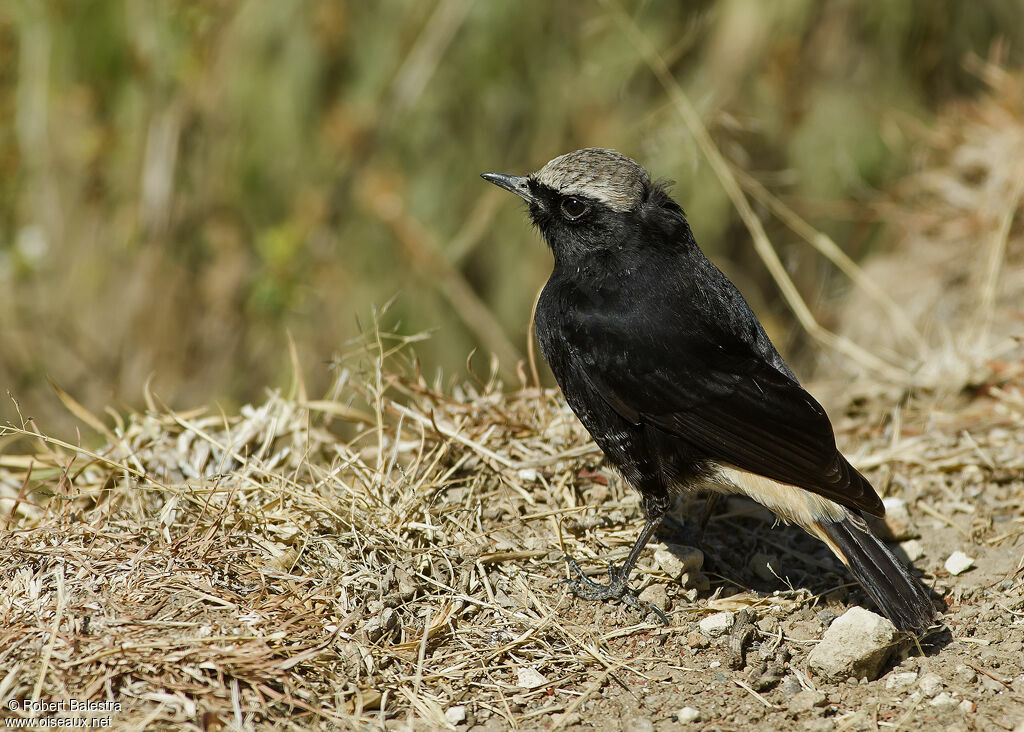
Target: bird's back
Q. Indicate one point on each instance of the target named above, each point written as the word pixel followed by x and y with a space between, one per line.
pixel 664 362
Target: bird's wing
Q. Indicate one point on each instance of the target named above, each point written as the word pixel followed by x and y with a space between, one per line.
pixel 715 391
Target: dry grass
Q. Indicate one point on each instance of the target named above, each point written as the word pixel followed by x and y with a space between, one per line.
pixel 386 553
pixel 393 551
pixel 259 566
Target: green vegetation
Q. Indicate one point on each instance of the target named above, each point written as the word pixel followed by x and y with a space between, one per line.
pixel 185 183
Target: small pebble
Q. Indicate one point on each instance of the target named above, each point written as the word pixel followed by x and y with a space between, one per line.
pixel 966 706
pixel 805 701
pixel 944 701
pixel 530 678
pixel 896 525
pixel 697 640
pixel 825 617
pixel 992 685
pixel 790 686
pixel 718 624
pixel 695 582
pixel 677 559
pixel 930 684
pixel 901 681
pixel 656 595
pixel 455 715
pixel 714 664
pixel 958 563
pixel 528 475
pixel 912 549
pixel 965 674
pixel 687 715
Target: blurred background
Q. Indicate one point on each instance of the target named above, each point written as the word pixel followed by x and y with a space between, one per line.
pixel 182 184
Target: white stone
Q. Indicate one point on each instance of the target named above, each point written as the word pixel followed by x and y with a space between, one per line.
pixel 718 624
pixel 528 475
pixel 695 582
pixel 912 549
pixel 944 701
pixel 687 715
pixel 530 678
pixel 455 715
pixel 930 684
pixel 900 681
pixel 856 644
pixel 678 559
pixel 966 706
pixel 958 563
pixel 897 524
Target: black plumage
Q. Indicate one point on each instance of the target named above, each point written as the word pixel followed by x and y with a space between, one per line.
pixel 667 367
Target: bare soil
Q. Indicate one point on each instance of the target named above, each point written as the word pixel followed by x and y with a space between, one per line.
pixel 356 562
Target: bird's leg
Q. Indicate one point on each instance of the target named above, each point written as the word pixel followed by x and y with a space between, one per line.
pixel 691 531
pixel 618 579
pixel 705 515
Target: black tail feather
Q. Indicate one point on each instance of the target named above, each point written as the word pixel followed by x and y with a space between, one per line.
pixel 900 595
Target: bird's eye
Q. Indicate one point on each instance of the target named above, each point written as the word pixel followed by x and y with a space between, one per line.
pixel 573 208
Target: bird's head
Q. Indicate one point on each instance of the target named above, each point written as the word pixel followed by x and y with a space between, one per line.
pixel 588 200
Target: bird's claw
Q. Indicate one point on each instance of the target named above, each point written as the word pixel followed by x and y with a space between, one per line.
pixel 588 589
pixel 616 589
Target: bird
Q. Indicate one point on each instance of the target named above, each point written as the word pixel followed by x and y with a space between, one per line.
pixel 674 377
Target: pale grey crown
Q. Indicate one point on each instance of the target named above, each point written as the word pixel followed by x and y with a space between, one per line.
pixel 604 175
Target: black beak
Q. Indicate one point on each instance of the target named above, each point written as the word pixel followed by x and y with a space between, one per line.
pixel 518 184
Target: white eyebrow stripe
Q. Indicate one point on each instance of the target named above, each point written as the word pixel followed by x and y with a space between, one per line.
pixel 606 176
pixel 596 190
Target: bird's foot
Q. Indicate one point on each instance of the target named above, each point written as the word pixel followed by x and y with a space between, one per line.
pixel 616 589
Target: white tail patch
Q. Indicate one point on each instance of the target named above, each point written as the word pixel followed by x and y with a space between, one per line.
pixel 789 503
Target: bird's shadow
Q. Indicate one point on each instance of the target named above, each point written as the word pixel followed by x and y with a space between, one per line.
pixel 745 548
